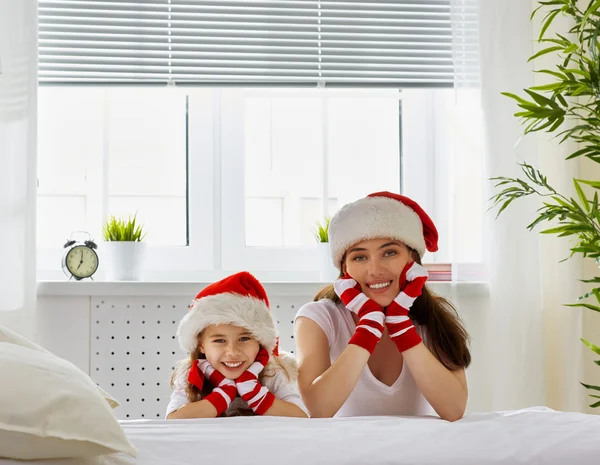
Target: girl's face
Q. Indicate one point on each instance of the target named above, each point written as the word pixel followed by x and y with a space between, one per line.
pixel 229 349
pixel 377 265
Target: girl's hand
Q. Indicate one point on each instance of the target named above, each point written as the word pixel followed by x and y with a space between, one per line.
pixel 255 394
pixel 399 325
pixel 224 388
pixel 370 314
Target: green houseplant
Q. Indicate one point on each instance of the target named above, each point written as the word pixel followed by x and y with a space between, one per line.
pixel 125 248
pixel 328 272
pixel 569 107
pixel 121 229
pixel 322 230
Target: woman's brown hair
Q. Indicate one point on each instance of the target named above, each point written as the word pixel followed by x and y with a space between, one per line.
pixel 447 338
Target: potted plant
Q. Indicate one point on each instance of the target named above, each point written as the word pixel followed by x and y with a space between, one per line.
pixel 569 107
pixel 125 249
pixel 328 272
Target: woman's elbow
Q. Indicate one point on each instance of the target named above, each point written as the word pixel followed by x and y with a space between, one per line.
pixel 453 414
pixel 319 414
pixel 317 411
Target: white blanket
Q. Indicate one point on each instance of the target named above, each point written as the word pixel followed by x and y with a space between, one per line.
pixel 530 436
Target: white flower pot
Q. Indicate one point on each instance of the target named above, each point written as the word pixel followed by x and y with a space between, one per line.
pixel 124 260
pixel 328 272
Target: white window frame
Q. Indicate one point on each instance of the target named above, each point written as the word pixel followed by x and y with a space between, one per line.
pixel 235 253
pixel 193 261
pixel 216 197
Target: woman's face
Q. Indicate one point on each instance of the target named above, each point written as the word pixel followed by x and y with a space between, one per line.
pixel 377 265
pixel 229 349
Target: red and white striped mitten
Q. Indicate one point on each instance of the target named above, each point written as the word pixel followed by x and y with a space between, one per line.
pixel 255 394
pixel 224 390
pixel 399 325
pixel 370 314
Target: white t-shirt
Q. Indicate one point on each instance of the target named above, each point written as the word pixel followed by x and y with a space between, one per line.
pixel 370 396
pixel 278 384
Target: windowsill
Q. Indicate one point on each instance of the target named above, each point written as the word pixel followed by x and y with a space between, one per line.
pixel 191 288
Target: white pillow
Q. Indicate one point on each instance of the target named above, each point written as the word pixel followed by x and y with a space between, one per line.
pixel 7 335
pixel 51 409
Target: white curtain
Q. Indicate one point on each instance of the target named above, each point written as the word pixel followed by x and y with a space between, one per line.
pixel 18 91
pixel 526 348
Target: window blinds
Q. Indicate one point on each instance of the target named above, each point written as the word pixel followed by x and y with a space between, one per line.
pixel 397 43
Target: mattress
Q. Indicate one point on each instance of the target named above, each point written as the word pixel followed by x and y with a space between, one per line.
pixel 536 435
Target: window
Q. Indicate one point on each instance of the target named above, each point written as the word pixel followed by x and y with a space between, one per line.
pixel 122 151
pixel 236 177
pixel 109 151
pixel 229 179
pixel 299 156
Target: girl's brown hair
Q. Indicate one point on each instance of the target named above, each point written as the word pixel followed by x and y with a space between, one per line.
pixel 447 338
pixel 181 370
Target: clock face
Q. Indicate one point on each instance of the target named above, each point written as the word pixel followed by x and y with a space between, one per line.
pixel 81 261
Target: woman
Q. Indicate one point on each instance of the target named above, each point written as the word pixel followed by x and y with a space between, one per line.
pixel 378 342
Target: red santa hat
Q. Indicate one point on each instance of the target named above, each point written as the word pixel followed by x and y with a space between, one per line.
pixel 238 300
pixel 381 215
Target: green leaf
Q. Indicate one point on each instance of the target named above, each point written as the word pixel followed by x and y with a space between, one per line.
pixel 582 197
pixel 560 229
pixel 594 184
pixel 590 9
pixel 557 74
pixel 516 97
pixel 549 18
pixel 504 205
pixel 589 386
pixel 584 305
pixel 557 124
pixel 560 201
pixel 580 72
pixel 591 346
pixel 545 51
pixel 578 153
pixel 553 87
pixel 562 100
pixel 534 12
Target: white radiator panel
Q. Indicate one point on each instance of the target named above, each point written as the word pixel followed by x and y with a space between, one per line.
pixel 133 347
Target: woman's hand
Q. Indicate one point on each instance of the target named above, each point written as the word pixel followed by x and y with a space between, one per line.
pixel 399 325
pixel 370 314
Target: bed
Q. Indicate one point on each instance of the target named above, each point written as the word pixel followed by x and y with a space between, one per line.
pixel 530 436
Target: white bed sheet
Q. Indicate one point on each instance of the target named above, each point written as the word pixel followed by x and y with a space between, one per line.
pixel 530 436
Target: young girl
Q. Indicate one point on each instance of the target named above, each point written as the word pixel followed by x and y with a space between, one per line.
pixel 234 366
pixel 378 342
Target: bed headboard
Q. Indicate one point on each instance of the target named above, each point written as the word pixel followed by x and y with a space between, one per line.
pixel 133 347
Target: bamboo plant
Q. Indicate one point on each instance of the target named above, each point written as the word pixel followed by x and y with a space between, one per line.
pixel 568 107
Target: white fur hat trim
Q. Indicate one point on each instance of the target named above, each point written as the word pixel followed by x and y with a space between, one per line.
pixel 228 308
pixel 373 218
